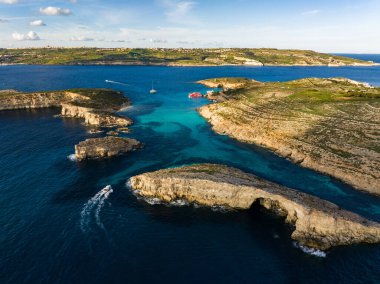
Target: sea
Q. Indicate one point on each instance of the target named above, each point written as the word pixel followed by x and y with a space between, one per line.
pixel 58 225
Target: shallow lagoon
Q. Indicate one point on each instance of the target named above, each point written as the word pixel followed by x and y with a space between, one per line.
pixel 47 235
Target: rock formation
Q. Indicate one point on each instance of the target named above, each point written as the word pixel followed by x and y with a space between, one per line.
pixel 90 104
pixel 96 148
pixel 317 223
pixel 329 125
pixel 93 116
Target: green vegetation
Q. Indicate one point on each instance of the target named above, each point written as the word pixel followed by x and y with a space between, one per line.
pixel 160 56
pixel 100 98
pixel 303 91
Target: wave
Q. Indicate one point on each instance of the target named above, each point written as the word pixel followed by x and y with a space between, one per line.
pixel 91 210
pixel 72 157
pixel 310 251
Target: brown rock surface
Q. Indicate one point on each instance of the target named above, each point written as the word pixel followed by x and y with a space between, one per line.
pixel 95 148
pixel 317 223
pixel 329 125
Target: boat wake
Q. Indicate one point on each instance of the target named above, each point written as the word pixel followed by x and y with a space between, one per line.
pixel 115 82
pixel 91 210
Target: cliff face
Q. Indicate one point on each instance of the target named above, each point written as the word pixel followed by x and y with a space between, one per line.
pixel 317 223
pixel 91 117
pixel 96 148
pixel 68 101
pixel 36 100
pixel 329 125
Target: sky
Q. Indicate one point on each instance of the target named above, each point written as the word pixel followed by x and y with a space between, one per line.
pixel 345 26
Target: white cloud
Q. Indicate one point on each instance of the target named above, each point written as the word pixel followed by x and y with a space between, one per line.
pixel 9 1
pixel 55 11
pixel 81 38
pixel 311 12
pixel 178 11
pixel 3 21
pixel 37 23
pixel 73 1
pixel 29 36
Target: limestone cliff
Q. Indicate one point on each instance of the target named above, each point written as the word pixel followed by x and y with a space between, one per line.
pixel 329 125
pixel 95 106
pixel 94 117
pixel 96 148
pixel 317 223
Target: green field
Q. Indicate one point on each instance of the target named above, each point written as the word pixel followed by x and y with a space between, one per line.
pixel 160 56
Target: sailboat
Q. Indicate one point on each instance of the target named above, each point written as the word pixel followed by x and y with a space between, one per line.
pixel 153 91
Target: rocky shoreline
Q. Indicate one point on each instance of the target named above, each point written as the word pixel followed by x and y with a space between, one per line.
pixel 96 106
pixel 328 125
pixel 316 223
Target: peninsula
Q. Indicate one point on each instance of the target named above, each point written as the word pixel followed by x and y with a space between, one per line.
pixel 96 106
pixel 328 125
pixel 315 223
pixel 175 57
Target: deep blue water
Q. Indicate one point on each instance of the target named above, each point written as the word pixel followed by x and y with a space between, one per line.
pixel 48 235
pixel 368 57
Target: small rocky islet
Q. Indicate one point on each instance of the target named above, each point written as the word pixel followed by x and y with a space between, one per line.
pixel 317 223
pixel 110 146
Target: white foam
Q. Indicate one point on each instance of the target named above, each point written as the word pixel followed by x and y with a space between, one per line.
pixel 179 203
pixel 220 209
pixel 72 157
pixel 93 207
pixel 152 201
pixel 310 251
pixel 128 184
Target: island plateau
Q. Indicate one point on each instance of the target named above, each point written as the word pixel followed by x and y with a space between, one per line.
pixel 328 125
pixel 175 57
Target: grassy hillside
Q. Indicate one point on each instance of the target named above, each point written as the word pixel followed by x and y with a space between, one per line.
pixel 330 125
pixel 161 56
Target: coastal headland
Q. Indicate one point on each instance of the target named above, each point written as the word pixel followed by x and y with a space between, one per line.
pixel 329 125
pixel 315 223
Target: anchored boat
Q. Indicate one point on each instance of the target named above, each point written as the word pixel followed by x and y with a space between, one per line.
pixel 195 95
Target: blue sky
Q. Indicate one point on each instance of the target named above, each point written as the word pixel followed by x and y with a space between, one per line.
pixel 327 26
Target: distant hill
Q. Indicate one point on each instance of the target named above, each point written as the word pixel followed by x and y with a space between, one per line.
pixel 175 57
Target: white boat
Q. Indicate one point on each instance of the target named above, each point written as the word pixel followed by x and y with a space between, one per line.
pixel 152 91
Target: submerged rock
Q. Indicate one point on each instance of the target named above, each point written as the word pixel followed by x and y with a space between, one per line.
pixel 95 148
pixel 317 223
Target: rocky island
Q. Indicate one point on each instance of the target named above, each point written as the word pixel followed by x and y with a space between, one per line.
pixel 175 57
pixel 316 223
pixel 96 148
pixel 328 125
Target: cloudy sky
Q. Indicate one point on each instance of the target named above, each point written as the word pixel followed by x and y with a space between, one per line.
pixel 322 25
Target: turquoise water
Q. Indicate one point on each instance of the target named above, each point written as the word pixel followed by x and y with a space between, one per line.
pixel 54 232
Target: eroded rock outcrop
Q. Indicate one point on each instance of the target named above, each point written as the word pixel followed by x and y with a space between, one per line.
pixel 96 148
pixel 94 117
pixel 317 223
